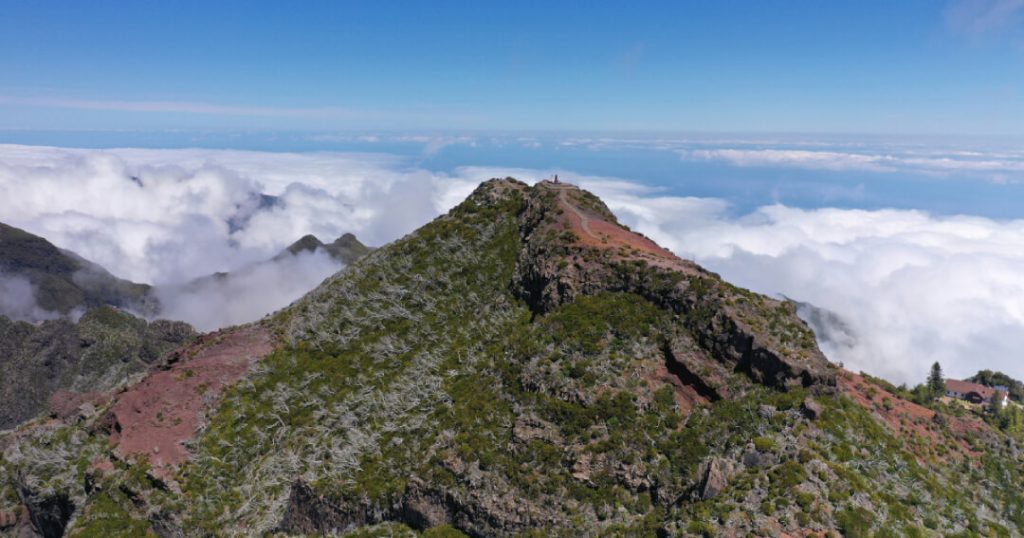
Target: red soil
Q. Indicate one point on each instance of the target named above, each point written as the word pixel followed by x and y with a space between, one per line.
pixel 685 396
pixel 592 230
pixel 65 404
pixel 907 418
pixel 156 416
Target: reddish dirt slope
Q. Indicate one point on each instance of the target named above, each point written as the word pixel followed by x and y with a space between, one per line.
pixel 156 416
pixel 905 417
pixel 593 230
pixel 685 396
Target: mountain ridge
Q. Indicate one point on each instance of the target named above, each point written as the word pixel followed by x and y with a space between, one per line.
pixel 522 365
pixel 65 281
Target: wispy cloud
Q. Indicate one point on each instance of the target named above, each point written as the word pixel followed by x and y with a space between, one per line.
pixel 185 107
pixel 985 18
pixel 994 167
pixel 824 160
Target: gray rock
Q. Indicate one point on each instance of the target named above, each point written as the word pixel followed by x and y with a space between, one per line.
pixel 715 475
pixel 754 459
pixel 811 408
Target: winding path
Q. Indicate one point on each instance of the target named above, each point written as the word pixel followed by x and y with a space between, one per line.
pixel 584 221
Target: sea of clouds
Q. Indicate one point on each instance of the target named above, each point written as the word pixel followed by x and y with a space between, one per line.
pixel 910 288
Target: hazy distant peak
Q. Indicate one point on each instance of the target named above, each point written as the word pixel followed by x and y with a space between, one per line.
pixel 345 249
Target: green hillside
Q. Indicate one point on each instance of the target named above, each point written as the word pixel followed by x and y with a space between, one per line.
pixel 522 366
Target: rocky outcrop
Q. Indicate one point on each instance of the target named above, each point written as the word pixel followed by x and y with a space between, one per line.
pixel 692 366
pixel 49 514
pixel 811 408
pixel 422 506
pixel 309 513
pixel 715 475
pixel 71 406
pixel 573 246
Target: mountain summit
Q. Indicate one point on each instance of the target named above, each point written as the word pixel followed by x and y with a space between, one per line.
pixel 346 249
pixel 524 365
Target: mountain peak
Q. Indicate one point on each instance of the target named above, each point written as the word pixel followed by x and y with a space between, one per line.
pixel 524 362
pixel 346 249
pixel 307 243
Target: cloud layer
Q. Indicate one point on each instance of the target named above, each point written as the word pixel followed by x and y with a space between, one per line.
pixel 164 216
pixel 998 167
pixel 248 293
pixel 18 299
pixel 910 287
pixel 168 217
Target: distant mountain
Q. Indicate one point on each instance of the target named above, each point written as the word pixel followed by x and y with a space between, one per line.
pixel 345 249
pixel 255 203
pixel 107 345
pixel 521 366
pixel 63 280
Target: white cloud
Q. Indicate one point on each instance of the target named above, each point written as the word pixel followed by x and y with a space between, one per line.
pixel 992 167
pixel 984 18
pixel 912 287
pixel 827 160
pixel 247 294
pixel 18 300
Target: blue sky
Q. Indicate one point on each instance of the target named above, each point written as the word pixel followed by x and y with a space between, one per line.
pixel 919 67
pixel 864 156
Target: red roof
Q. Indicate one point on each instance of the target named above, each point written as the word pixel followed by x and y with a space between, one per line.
pixel 964 387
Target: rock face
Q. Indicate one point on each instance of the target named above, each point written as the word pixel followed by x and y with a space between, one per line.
pixel 715 475
pixel 811 408
pixel 521 365
pixel 574 245
pixel 50 514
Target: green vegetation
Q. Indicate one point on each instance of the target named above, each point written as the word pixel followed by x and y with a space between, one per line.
pixel 997 379
pixel 102 350
pixel 855 522
pixel 63 280
pixel 448 375
pixel 104 517
pixel 936 383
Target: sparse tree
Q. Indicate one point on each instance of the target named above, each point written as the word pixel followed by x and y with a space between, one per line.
pixel 995 404
pixel 936 385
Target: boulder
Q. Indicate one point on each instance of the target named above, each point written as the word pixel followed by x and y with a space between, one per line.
pixel 715 475
pixel 811 408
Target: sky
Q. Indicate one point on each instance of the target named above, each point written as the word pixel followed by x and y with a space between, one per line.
pixel 922 67
pixel 866 158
